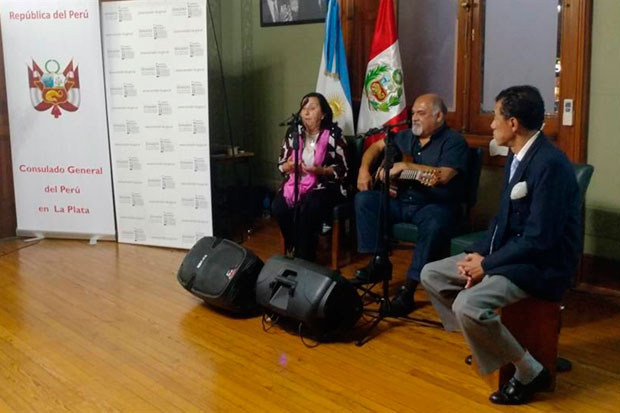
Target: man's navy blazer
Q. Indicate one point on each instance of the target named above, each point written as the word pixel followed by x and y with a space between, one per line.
pixel 536 238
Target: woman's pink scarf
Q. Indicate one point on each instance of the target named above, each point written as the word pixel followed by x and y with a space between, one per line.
pixel 308 180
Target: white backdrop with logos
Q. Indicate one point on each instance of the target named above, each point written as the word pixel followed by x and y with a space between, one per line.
pixel 155 55
pixel 56 102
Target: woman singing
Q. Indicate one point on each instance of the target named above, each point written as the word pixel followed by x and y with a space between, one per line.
pixel 322 172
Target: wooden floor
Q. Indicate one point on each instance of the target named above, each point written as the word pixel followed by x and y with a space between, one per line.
pixel 107 327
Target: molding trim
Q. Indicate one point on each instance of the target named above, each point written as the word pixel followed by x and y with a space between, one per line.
pixel 599 273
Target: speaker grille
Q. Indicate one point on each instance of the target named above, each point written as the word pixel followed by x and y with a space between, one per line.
pixel 216 269
pixel 188 268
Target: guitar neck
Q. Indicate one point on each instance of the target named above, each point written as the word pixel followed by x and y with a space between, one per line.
pixel 427 178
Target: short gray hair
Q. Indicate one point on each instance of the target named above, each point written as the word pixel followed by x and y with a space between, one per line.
pixel 438 105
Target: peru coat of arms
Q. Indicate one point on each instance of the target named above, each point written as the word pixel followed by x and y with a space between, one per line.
pixel 383 86
pixel 54 89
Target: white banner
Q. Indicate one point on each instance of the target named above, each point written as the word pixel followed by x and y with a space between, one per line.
pixel 155 55
pixel 59 142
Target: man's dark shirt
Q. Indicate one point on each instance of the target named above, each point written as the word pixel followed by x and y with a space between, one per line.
pixel 446 148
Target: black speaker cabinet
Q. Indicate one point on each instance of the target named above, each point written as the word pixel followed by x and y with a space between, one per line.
pixel 316 296
pixel 222 273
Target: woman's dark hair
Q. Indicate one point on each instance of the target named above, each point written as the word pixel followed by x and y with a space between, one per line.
pixel 523 103
pixel 327 121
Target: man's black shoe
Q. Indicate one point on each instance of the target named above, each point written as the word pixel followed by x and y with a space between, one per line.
pixel 562 365
pixel 513 392
pixel 402 303
pixel 375 271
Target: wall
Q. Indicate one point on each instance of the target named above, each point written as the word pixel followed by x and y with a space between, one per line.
pixel 268 70
pixel 225 75
pixel 603 198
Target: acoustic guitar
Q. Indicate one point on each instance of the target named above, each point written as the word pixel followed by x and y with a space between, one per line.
pixel 425 177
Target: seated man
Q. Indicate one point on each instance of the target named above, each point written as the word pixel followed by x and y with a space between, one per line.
pixel 530 249
pixel 435 208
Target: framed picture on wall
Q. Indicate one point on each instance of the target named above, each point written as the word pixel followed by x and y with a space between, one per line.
pixel 281 12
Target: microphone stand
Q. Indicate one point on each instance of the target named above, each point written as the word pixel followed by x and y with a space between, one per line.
pixel 382 255
pixel 293 122
pixel 295 135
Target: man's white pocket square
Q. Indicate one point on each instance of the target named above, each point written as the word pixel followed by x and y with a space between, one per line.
pixel 519 190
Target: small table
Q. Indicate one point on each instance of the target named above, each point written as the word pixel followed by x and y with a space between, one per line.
pixel 241 157
pixel 231 194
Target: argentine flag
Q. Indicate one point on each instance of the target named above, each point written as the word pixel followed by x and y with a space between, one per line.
pixel 333 81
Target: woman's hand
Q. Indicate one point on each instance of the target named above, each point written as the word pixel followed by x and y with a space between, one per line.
pixel 289 166
pixel 317 170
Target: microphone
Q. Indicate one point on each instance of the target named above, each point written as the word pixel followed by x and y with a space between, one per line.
pixel 374 131
pixel 403 123
pixel 294 118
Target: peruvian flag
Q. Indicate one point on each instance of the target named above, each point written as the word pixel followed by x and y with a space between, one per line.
pixel 383 96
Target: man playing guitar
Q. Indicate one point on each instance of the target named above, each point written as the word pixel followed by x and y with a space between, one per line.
pixel 433 165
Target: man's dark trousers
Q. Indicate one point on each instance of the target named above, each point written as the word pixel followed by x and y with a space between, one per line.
pixel 436 224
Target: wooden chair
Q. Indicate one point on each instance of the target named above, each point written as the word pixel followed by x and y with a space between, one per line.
pixel 539 338
pixel 343 244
